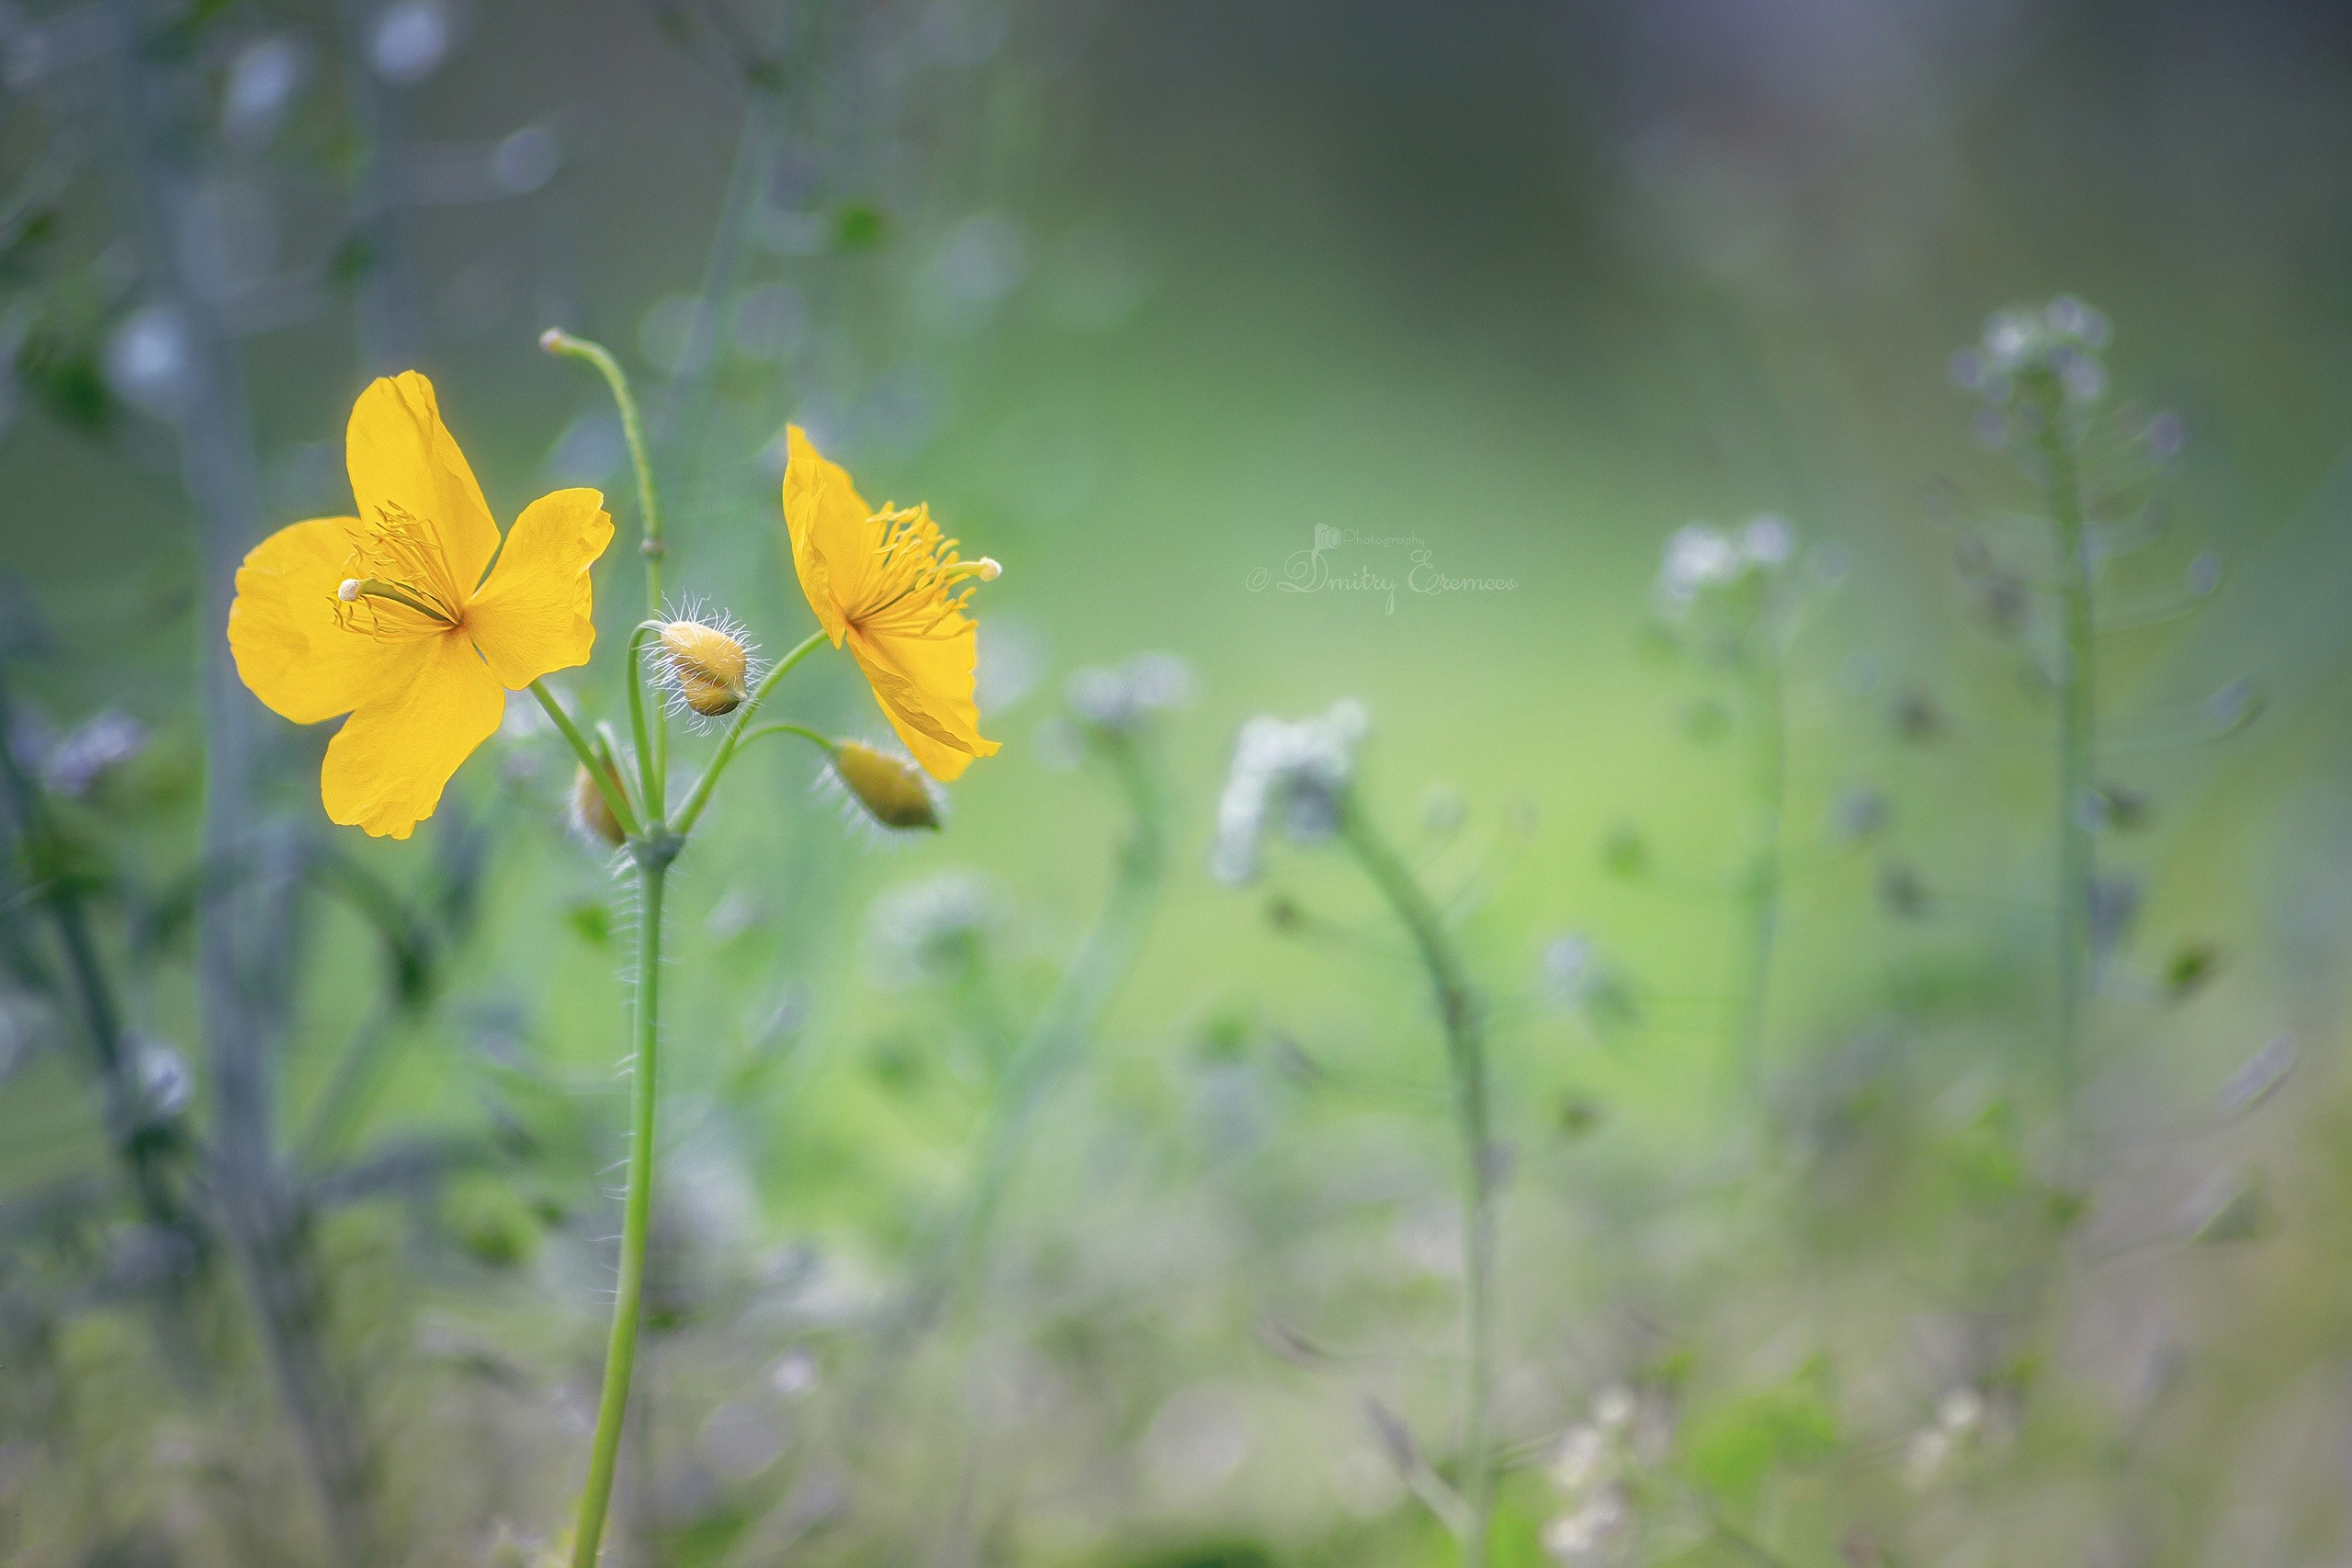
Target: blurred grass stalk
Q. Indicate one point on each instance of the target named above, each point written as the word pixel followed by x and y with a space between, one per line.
pixel 246 970
pixel 948 1284
pixel 1074 1011
pixel 1760 884
pixel 1458 1011
pixel 2077 865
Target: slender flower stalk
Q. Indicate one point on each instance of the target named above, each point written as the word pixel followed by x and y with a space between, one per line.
pixel 1730 594
pixel 2039 373
pixel 1301 777
pixel 707 667
pixel 413 616
pixel 1466 1053
pixel 2078 864
pixel 1761 887
pixel 637 1209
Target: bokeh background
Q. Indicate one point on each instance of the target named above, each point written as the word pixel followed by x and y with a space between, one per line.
pixel 1143 299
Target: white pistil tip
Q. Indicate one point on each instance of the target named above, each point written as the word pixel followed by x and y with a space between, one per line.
pixel 990 569
pixel 350 592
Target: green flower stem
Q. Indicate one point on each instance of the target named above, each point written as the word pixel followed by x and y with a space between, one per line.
pixel 817 738
pixel 650 780
pixel 620 1353
pixel 653 847
pixel 691 812
pixel 2077 865
pixel 1458 1010
pixel 615 797
pixel 648 503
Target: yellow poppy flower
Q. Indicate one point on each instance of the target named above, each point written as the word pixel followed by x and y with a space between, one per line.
pixel 397 617
pixel 886 584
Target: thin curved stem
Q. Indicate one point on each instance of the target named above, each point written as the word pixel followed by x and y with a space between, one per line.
pixel 649 504
pixel 615 797
pixel 1458 1010
pixel 652 762
pixel 692 811
pixel 620 1353
pixel 817 738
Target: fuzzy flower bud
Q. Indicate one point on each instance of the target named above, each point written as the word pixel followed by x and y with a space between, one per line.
pixel 591 816
pixel 705 666
pixel 890 789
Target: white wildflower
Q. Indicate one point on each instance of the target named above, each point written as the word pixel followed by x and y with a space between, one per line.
pixel 1295 774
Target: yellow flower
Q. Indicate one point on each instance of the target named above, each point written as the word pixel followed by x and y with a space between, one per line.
pixel 397 618
pixel 889 586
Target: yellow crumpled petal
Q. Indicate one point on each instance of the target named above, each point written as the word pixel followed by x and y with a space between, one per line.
pixel 534 614
pixel 404 459
pixel 925 685
pixel 289 648
pixel 832 529
pixel 385 769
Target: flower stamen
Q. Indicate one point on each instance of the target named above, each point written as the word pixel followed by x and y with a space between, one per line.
pixel 399 563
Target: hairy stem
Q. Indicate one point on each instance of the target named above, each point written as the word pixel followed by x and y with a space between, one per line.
pixel 636 1212
pixel 1457 1006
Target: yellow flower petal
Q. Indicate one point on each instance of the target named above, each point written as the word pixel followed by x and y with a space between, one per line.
pixel 386 767
pixel 403 461
pixel 924 684
pixel 833 537
pixel 289 645
pixel 534 614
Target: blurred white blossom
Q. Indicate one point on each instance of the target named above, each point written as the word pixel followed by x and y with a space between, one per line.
pixel 1291 774
pixel 932 929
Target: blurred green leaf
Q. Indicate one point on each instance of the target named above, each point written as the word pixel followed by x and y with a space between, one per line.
pixel 858 227
pixel 1735 1447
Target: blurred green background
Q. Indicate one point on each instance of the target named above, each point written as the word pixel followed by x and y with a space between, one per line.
pixel 1140 299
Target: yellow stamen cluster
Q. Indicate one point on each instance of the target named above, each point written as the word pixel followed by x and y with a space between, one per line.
pixel 916 569
pixel 400 584
pixel 707 666
pixel 891 789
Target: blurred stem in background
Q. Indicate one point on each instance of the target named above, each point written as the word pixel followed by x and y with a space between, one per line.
pixel 1730 596
pixel 246 925
pixel 1760 882
pixel 147 1147
pixel 1054 1043
pixel 2077 865
pixel 1072 1014
pixel 1459 1012
pixel 389 325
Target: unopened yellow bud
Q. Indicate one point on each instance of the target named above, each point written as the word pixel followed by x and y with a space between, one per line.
pixel 891 789
pixel 707 666
pixel 591 813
